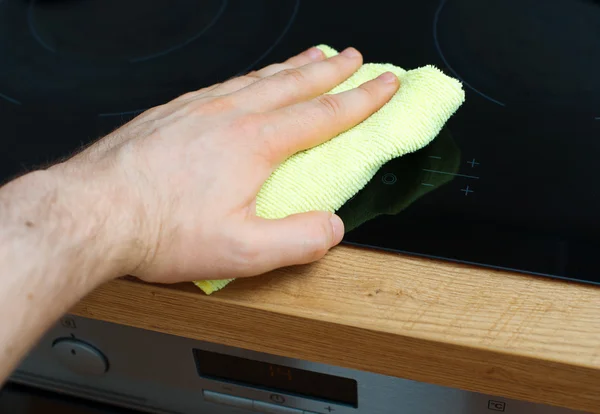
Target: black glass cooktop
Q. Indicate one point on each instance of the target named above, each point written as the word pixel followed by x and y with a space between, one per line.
pixel 511 182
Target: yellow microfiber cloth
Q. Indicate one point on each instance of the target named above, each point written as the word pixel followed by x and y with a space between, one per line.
pixel 326 176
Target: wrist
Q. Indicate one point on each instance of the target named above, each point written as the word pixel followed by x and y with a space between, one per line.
pixel 68 218
pixel 102 217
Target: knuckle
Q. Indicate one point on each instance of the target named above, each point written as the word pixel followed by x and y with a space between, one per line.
pixel 158 109
pixel 196 93
pixel 240 82
pixel 293 75
pixel 274 68
pixel 320 241
pixel 245 254
pixel 318 251
pixel 219 104
pixel 367 92
pixel 210 106
pixel 248 125
pixel 253 75
pixel 331 104
pixel 186 96
pixel 151 113
pixel 194 107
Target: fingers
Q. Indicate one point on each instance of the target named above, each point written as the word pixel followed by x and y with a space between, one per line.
pixel 188 96
pixel 240 82
pixel 312 54
pixel 297 239
pixel 308 56
pixel 308 124
pixel 294 85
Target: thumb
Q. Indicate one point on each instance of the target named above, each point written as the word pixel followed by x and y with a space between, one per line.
pixel 296 239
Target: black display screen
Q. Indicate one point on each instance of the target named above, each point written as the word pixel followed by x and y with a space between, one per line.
pixel 276 378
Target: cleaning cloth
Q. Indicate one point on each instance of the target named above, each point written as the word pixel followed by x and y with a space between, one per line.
pixel 326 176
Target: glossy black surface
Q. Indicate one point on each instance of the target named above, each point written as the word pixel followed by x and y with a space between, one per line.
pixel 510 183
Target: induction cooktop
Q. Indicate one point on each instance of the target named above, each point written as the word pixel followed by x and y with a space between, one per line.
pixel 511 182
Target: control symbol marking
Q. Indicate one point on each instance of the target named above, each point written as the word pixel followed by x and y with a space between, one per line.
pixel 329 409
pixel 389 179
pixel 473 163
pixel 277 398
pixel 447 173
pixel 467 190
pixel 68 323
pixel 496 405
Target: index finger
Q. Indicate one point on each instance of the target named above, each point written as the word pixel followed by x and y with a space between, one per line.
pixel 294 85
pixel 308 124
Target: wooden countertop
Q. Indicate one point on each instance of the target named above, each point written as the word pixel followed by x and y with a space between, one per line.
pixel 510 335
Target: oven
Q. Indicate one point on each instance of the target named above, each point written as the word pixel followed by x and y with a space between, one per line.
pixel 102 367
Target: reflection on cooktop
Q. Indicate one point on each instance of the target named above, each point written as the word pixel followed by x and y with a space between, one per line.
pixel 524 52
pixel 403 181
pixel 100 57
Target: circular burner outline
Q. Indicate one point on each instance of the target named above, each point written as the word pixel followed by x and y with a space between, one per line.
pixel 34 32
pixel 9 99
pixel 242 72
pixel 206 28
pixel 438 47
pixel 216 17
pixel 277 41
pixel 436 19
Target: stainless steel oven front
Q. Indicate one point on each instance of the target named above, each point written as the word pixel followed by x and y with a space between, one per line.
pixel 158 373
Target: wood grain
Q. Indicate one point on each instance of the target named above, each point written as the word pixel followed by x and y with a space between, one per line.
pixel 510 335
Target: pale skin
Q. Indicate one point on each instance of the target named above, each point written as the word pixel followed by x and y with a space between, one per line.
pixel 169 197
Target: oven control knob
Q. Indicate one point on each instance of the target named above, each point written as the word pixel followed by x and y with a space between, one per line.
pixel 80 357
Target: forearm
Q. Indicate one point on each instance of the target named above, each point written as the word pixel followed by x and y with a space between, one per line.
pixel 49 258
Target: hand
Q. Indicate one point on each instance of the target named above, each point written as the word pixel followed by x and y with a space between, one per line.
pixel 182 178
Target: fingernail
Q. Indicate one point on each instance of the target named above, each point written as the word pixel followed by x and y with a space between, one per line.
pixel 388 77
pixel 351 53
pixel 338 229
pixel 314 53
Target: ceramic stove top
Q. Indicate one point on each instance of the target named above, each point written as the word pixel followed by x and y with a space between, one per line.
pixel 511 182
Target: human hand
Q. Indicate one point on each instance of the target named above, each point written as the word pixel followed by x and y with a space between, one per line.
pixel 181 179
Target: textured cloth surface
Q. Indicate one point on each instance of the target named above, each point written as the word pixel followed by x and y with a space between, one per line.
pixel 328 175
